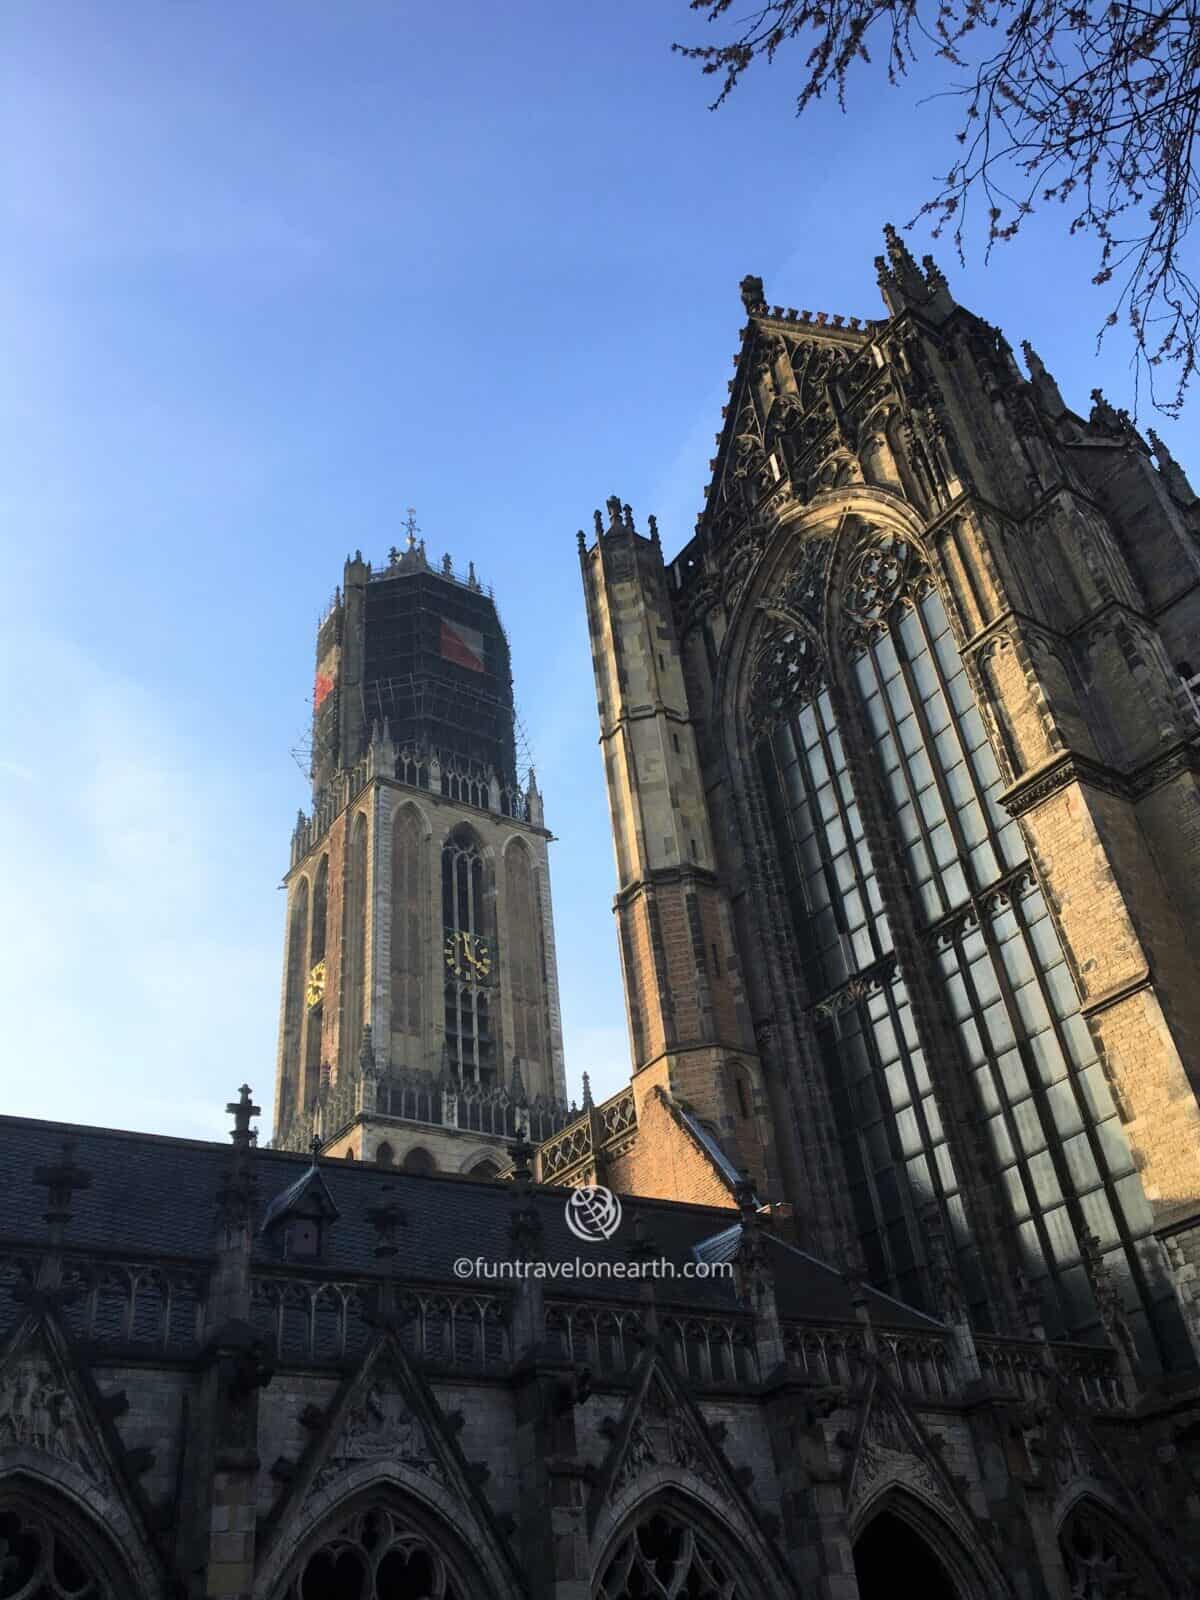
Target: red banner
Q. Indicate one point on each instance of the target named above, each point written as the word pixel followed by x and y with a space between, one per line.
pixel 463 646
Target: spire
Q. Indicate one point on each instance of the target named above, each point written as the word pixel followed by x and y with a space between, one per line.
pixel 1173 474
pixel 752 294
pixel 588 1102
pixel 904 284
pixel 1045 390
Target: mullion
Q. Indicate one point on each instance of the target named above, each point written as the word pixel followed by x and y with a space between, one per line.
pixel 1106 1184
pixel 888 1122
pixel 935 869
pixel 949 809
pixel 1021 1160
pixel 785 810
pixel 993 838
pixel 860 882
pixel 822 837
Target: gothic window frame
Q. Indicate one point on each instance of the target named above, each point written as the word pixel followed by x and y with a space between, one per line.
pixel 53 1514
pixel 468 905
pixel 876 588
pixel 746 1580
pixel 458 1574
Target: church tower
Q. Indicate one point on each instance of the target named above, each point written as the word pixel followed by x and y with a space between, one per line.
pixel 420 1018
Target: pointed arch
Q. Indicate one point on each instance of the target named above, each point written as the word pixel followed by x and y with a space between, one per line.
pixel 394 1545
pixel 356 940
pixel 1105 1560
pixel 937 986
pixel 314 1010
pixel 673 1544
pixel 468 929
pixel 410 935
pixel 900 1531
pixel 526 959
pixel 291 1093
pixel 55 1551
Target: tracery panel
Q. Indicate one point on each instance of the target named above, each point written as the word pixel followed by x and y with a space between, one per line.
pixel 664 1558
pixel 988 947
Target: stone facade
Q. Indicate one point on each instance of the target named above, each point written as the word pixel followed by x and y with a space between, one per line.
pixel 903 1289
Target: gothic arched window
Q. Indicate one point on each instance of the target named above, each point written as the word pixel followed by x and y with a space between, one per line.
pixel 663 1557
pixel 356 939
pixel 523 918
pixel 470 957
pixel 408 918
pixel 290 1091
pixel 1102 1564
pixel 315 983
pixel 45 1555
pixel 375 1555
pixel 890 725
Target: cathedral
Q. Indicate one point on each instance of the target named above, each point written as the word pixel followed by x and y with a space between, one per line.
pixel 882 1273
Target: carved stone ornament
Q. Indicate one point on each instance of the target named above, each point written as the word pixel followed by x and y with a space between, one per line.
pixel 802 591
pixel 884 572
pixel 665 1558
pixel 738 564
pixel 37 1412
pixel 380 1427
pixel 787 674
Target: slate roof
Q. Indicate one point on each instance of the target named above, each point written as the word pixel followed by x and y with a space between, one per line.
pixel 152 1196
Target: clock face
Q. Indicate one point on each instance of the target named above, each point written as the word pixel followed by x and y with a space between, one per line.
pixel 315 991
pixel 468 956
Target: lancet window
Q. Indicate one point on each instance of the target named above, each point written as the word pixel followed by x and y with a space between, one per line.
pixel 469 956
pixel 879 699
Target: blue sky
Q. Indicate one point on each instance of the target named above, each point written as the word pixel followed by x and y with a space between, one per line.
pixel 274 273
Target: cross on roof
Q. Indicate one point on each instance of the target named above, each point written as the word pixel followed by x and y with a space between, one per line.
pixel 411 528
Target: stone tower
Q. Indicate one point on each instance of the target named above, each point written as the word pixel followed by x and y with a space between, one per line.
pixel 689 1025
pixel 916 705
pixel 420 1020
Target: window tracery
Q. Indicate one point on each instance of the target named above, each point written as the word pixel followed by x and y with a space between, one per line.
pixel 1033 1083
pixel 375 1555
pixel 1098 1566
pixel 39 1561
pixel 664 1558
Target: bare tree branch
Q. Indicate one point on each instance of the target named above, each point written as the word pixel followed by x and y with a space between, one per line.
pixel 1085 103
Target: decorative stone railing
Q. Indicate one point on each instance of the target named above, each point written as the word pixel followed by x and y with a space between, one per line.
pixel 307 1321
pixel 115 1303
pixel 1028 1368
pixel 597 1132
pixel 919 1364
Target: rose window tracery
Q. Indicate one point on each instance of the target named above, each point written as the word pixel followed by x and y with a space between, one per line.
pixel 39 1562
pixel 375 1556
pixel 883 572
pixel 665 1559
pixel 787 673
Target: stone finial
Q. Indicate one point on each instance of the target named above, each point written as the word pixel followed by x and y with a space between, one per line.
pixel 1105 418
pixel 472 580
pixel 613 506
pixel 599 523
pixel 588 1102
pixel 314 1149
pixel 366 1051
pixel 752 293
pixel 900 279
pixel 447 566
pixel 1046 391
pixel 1173 474
pixel 652 522
pixel 242 1110
pixel 582 542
